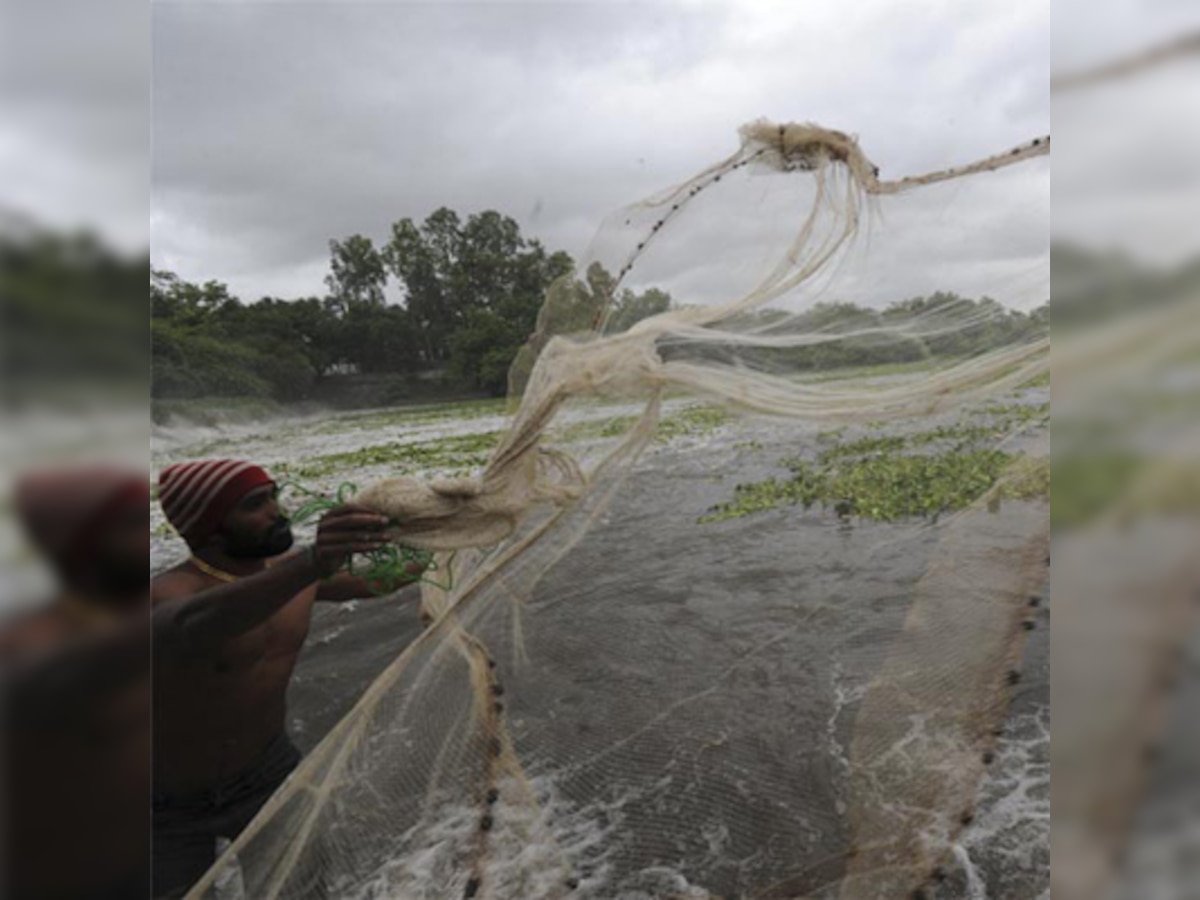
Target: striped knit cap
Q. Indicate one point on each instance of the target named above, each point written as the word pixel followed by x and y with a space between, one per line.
pixel 64 509
pixel 196 496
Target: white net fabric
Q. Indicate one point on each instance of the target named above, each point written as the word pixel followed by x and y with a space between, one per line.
pixel 708 711
pixel 1127 387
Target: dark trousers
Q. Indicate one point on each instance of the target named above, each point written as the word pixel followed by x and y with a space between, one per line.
pixel 134 886
pixel 187 827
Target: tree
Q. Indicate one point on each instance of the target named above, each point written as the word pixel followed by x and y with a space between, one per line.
pixel 483 349
pixel 184 302
pixel 357 273
pixel 631 308
pixel 472 289
pixel 424 261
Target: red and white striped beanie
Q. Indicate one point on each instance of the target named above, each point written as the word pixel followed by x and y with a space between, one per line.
pixel 196 496
pixel 64 509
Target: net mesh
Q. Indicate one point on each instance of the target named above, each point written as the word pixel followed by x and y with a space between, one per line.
pixel 618 696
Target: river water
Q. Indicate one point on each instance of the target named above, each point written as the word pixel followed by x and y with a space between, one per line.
pixel 691 691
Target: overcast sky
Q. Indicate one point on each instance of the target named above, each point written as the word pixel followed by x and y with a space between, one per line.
pixel 1127 171
pixel 277 126
pixel 75 115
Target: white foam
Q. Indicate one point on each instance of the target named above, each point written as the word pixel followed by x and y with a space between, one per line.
pixel 533 850
pixel 976 889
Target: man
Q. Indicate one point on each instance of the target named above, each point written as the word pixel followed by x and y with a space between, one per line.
pixel 230 623
pixel 76 685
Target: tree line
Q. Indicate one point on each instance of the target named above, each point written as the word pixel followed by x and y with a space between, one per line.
pixel 71 313
pixel 470 292
pixel 940 326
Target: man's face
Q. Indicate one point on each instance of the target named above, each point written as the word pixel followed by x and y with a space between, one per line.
pixel 122 554
pixel 256 528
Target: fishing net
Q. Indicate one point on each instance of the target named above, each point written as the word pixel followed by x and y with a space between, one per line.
pixel 641 680
pixel 1127 388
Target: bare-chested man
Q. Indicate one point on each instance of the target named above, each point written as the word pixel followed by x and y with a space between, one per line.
pixel 76 704
pixel 230 623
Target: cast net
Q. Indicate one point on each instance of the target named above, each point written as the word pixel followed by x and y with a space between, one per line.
pixel 641 680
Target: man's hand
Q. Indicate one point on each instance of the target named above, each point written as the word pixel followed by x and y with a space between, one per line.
pixel 344 531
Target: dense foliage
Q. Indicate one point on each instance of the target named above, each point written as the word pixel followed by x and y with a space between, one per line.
pixel 451 301
pixel 71 312
pixel 469 293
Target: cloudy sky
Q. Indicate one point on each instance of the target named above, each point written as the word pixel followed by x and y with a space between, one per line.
pixel 75 115
pixel 1127 170
pixel 276 126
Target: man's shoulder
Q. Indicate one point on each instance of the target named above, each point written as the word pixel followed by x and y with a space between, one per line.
pixel 178 581
pixel 183 580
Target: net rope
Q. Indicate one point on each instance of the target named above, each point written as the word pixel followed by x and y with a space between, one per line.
pixel 454 774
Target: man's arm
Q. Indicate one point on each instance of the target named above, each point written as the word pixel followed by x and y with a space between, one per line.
pixel 197 619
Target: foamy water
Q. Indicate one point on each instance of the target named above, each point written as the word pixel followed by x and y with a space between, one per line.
pixel 799 572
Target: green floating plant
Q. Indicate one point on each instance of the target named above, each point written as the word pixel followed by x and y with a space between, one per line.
pixel 389 567
pixel 886 477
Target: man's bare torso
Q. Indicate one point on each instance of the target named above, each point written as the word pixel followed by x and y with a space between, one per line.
pixel 217 709
pixel 77 790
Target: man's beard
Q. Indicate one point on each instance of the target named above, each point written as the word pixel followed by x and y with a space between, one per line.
pixel 276 541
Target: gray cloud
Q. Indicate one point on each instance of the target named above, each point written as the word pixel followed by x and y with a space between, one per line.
pixel 1127 175
pixel 280 126
pixel 74 89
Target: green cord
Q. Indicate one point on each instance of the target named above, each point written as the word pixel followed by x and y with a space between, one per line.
pixel 318 503
pixel 388 566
